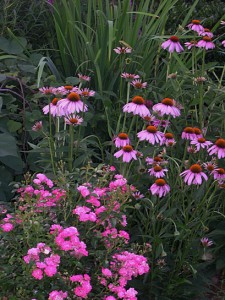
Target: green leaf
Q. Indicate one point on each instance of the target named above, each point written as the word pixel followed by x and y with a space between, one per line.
pixel 7 145
pixel 13 126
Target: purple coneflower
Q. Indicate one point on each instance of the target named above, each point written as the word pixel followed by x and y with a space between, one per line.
pixel 194 175
pixel 209 166
pixel 48 90
pixel 223 43
pixel 195 25
pixel 172 44
pixel 86 93
pixel 122 50
pixel 160 188
pixel 127 152
pixel 129 76
pixel 206 32
pixel 53 107
pixel 121 140
pixel 137 195
pixel 201 143
pixel 71 104
pixel 167 107
pixel 206 43
pixel 190 44
pixel 206 242
pixel 84 78
pixel 137 107
pixel 73 120
pixel 138 84
pixel 168 139
pixel 37 126
pixel 157 160
pixel 150 134
pixel 218 148
pixel 66 89
pixel 218 174
pixel 157 171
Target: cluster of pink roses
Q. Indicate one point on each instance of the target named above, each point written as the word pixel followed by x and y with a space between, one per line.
pixel 47 266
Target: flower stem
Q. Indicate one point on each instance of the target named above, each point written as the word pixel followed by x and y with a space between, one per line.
pixel 70 157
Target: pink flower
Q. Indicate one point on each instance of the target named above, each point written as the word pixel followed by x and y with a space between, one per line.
pixel 73 120
pixel 206 242
pixel 167 107
pixel 209 166
pixel 50 270
pixel 195 25
pixel 194 175
pixel 127 152
pixel 106 272
pixel 137 195
pixel 122 50
pixel 37 274
pixel 190 44
pixel 206 32
pixel 157 171
pixel 84 78
pixel 172 44
pixel 201 143
pixel 48 90
pixel 129 76
pixel 218 174
pixel 66 89
pixel 87 93
pixel 138 84
pixel 121 140
pixel 137 107
pixel 223 43
pixel 168 139
pixel 71 104
pixel 37 126
pixel 83 190
pixel 160 188
pixel 218 148
pixel 151 134
pixel 52 107
pixel 57 295
pixel 7 227
pixel 206 43
pixel 189 133
pixel 157 160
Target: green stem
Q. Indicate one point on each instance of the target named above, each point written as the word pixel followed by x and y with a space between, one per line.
pixel 128 96
pixel 70 157
pixel 201 101
pixel 168 66
pixel 51 142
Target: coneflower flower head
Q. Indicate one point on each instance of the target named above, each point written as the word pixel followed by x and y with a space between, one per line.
pixel 201 143
pixel 150 134
pixel 218 173
pixel 206 43
pixel 157 171
pixel 71 104
pixel 52 107
pixel 122 50
pixel 172 44
pixel 167 107
pixel 195 25
pixel 137 107
pixel 73 120
pixel 218 148
pixel 127 152
pixel 206 32
pixel 194 175
pixel 160 188
pixel 138 84
pixel 121 140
